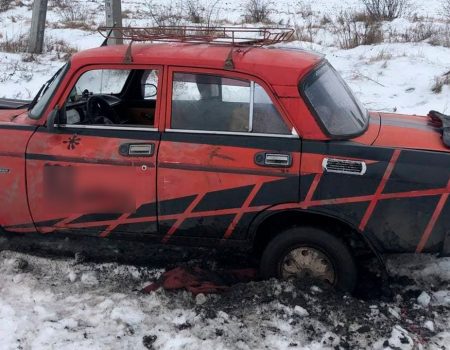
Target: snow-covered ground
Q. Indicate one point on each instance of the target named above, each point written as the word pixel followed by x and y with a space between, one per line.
pixel 64 304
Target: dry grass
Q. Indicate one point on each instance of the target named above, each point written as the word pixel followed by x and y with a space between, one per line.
pixel 62 49
pixel 14 45
pixel 381 56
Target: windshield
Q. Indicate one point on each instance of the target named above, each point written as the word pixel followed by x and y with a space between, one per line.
pixel 42 98
pixel 338 110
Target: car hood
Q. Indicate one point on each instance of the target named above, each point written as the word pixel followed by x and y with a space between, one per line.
pixel 8 115
pixel 409 131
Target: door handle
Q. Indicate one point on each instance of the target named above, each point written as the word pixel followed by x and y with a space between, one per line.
pixel 137 149
pixel 282 160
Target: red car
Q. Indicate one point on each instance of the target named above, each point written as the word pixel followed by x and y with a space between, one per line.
pixel 203 143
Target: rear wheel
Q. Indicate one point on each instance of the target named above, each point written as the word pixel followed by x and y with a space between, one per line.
pixel 310 253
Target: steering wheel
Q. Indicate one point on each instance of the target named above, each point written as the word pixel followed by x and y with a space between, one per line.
pixel 98 111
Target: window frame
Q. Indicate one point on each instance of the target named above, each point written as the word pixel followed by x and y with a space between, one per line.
pixel 229 75
pixel 75 77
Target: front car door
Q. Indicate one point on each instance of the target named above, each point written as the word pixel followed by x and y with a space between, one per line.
pixel 227 153
pixel 95 173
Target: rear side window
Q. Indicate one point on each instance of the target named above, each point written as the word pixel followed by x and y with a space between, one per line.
pixel 213 103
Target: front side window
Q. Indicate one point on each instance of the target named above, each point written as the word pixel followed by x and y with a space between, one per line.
pixel 337 108
pixel 113 97
pixel 213 103
pixel 102 81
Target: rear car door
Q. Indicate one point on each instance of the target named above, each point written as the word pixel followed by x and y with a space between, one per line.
pixel 227 153
pixel 95 173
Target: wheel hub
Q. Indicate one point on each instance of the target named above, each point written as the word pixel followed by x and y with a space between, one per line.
pixel 308 262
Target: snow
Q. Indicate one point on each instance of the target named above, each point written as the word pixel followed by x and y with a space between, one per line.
pixel 41 308
pixel 424 299
pixel 54 303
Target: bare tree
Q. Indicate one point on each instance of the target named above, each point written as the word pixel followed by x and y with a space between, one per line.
pixel 382 10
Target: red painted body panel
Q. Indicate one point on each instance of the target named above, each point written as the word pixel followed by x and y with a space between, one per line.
pixel 68 181
pixel 13 192
pixel 409 131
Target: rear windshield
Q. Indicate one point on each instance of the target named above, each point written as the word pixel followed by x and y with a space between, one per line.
pixel 337 109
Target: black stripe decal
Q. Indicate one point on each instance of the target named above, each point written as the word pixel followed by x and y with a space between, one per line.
pixel 39 224
pixel 228 170
pixel 347 149
pixel 259 142
pixel 118 162
pixel 12 154
pixel 95 218
pixel 108 133
pixel 410 125
pixel 18 127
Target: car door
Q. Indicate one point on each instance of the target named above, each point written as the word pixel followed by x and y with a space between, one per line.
pixel 227 153
pixel 95 173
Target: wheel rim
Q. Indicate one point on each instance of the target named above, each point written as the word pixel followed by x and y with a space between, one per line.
pixel 308 262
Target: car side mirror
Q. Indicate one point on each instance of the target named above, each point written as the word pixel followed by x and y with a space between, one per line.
pixel 150 90
pixel 53 120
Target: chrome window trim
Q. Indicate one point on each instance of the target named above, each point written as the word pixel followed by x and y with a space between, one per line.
pixel 252 101
pixel 232 133
pixel 102 127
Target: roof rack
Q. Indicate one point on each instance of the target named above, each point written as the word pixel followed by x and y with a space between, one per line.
pixel 228 36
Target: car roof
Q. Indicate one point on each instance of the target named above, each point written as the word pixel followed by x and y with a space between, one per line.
pixel 279 66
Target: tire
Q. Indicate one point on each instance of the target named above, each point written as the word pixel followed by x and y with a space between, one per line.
pixel 332 252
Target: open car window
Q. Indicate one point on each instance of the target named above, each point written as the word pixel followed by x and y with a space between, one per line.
pixel 332 101
pixel 102 81
pixel 113 97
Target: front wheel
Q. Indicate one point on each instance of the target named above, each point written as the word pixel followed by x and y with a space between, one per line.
pixel 310 252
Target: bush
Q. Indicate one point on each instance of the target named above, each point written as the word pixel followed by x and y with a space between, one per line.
pixel 439 83
pixel 352 33
pixel 257 11
pixel 170 14
pixel 202 13
pixel 446 8
pixel 71 11
pixel 4 5
pixel 385 10
pixel 306 32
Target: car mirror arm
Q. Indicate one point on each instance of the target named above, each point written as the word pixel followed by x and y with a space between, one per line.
pixel 53 120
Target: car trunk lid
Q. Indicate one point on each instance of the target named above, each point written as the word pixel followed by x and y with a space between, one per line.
pixel 409 131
